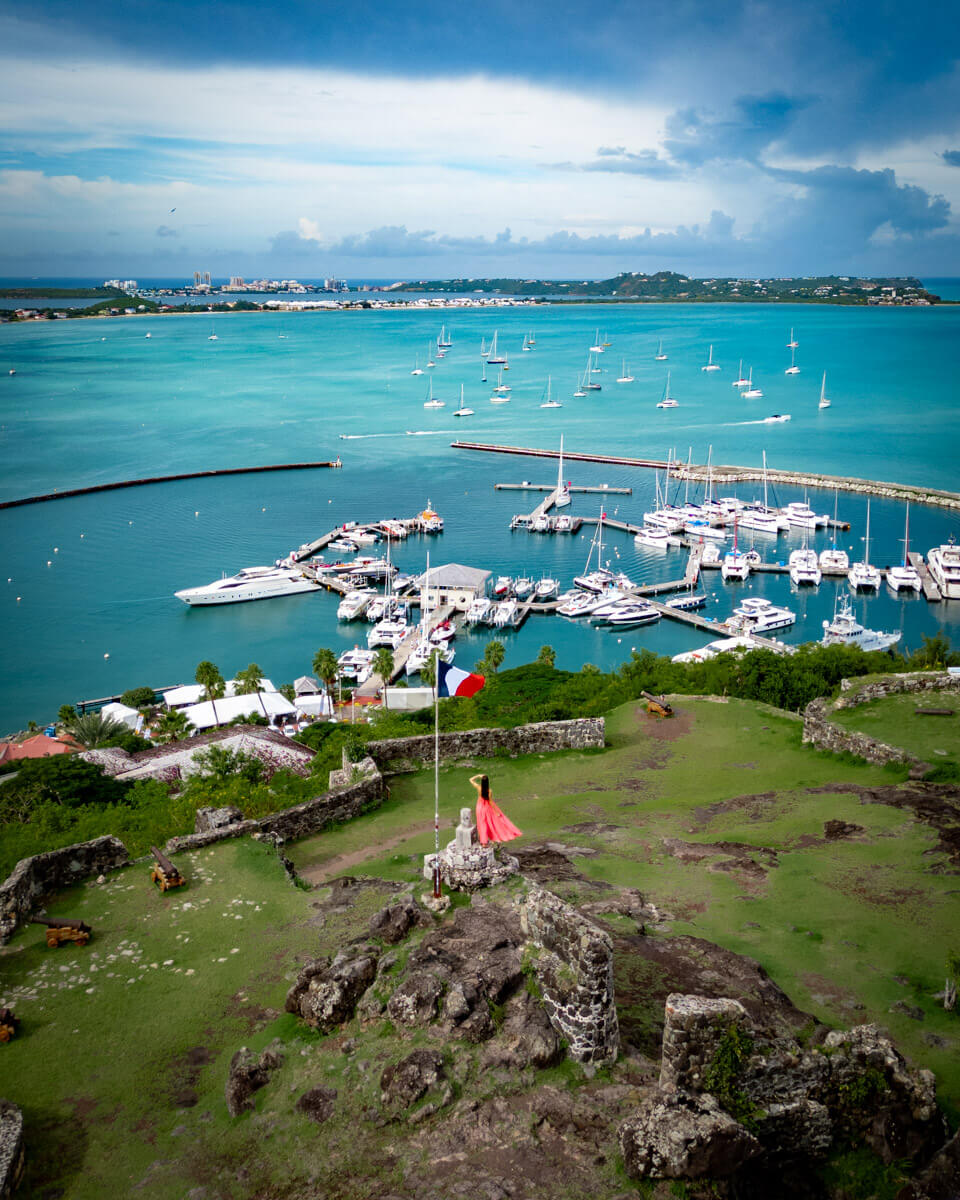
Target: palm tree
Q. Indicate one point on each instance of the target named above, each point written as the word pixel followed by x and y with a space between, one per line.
pixel 93 730
pixel 173 726
pixel 383 666
pixel 248 680
pixel 428 672
pixel 547 656
pixel 493 656
pixel 209 677
pixel 326 668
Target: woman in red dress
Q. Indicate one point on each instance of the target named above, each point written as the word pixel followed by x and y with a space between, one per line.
pixel 492 824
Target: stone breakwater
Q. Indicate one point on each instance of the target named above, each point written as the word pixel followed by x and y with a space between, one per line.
pixel 810 479
pixel 36 877
pixel 398 755
pixel 573 962
pixel 819 730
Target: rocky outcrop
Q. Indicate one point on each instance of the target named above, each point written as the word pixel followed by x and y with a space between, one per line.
pixel 248 1073
pixel 326 993
pixel 573 961
pixel 396 755
pixel 11 1148
pixel 394 922
pixel 317 1104
pixel 796 1103
pixel 416 1000
pixel 406 1082
pixel 940 1179
pixel 526 1038
pixel 36 877
pixel 676 1135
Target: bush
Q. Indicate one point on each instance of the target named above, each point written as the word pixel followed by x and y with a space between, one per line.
pixel 66 780
pixel 139 697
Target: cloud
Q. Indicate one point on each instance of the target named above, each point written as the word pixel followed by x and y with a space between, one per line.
pixel 951 158
pixel 621 161
pixel 165 231
pixel 755 123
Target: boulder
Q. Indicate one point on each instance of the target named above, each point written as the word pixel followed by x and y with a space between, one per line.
pixel 405 1082
pixel 415 1000
pixel 248 1073
pixel 11 1147
pixel 393 923
pixel 676 1135
pixel 326 994
pixel 317 1103
pixel 940 1179
pixel 527 1039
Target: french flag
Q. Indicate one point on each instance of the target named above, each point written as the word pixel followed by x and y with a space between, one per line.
pixel 451 681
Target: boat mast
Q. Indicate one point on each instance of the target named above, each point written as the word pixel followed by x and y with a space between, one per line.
pixel 560 468
pixel 906 536
pixel 765 505
pixel 866 540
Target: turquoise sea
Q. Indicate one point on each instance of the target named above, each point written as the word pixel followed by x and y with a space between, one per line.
pixel 95 401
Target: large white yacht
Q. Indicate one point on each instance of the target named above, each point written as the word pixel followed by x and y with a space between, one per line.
pixel 757 615
pixel 864 574
pixel 353 604
pixel 804 567
pixel 252 583
pixel 846 630
pixel 905 576
pixel 944 564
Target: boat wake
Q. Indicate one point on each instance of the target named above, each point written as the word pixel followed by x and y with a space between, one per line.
pixel 733 424
pixel 354 437
pixel 427 433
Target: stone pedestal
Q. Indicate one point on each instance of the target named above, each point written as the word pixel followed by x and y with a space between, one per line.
pixel 465 865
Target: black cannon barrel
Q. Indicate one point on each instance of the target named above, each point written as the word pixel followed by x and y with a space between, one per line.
pixel 62 923
pixel 163 862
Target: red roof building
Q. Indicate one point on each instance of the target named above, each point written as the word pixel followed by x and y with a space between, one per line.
pixel 38 746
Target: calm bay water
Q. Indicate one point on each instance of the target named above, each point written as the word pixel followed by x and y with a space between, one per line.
pixel 95 401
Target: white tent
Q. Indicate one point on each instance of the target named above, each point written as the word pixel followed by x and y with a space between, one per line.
pixel 120 712
pixel 192 693
pixel 219 712
pixel 315 706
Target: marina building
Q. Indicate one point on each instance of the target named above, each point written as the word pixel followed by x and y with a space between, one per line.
pixel 452 584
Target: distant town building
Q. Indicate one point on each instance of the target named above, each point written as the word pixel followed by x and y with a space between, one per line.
pixel 201 279
pixel 122 285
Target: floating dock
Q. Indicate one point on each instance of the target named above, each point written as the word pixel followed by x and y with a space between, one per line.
pixel 931 591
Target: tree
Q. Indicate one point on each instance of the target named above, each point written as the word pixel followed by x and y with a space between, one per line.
pixel 247 681
pixel 209 677
pixel 65 779
pixel 221 764
pixel 493 656
pixel 139 697
pixel 288 692
pixel 173 726
pixel 326 668
pixel 547 656
pixel 428 672
pixel 66 713
pixel 94 730
pixel 383 666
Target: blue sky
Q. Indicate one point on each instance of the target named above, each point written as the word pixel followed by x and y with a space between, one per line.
pixel 410 139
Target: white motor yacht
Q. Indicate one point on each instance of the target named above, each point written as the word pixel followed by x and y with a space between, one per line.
pixel 547 589
pixel 251 583
pixel 846 630
pixel 944 565
pixel 628 614
pixel 353 604
pixel 388 632
pixel 652 537
pixel 729 645
pixel 757 615
pixel 805 568
pixel 523 587
pixel 506 612
pixel 502 587
pixel 353 663
pixel 710 556
pixel 800 513
pixel 584 603
pixel 563 524
pixel 776 419
pixel 540 524
pixel 478 611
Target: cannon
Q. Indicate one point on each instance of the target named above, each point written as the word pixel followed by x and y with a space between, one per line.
pixel 657 706
pixel 164 874
pixel 8 1024
pixel 64 929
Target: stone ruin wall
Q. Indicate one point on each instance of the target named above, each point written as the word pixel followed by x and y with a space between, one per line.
pixel 33 878
pixel 11 1148
pixel 573 961
pixel 397 755
pixel 893 685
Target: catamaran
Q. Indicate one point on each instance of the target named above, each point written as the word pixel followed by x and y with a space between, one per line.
pixel 710 365
pixel 762 520
pixel 862 574
pixel 804 566
pixel 601 577
pixel 598 346
pixel 834 561
pixel 501 387
pixel 624 376
pixel 653 537
pixel 793 343
pixel 494 358
pixel 735 564
pixel 660 356
pixel 741 381
pixel 461 411
pixel 793 369
pixel 430 402
pixel 824 402
pixel 904 576
pixel 752 393
pixel 667 401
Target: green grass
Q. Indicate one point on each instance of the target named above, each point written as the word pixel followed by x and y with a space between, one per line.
pixel 893 720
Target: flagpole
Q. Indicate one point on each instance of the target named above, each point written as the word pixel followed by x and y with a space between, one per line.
pixel 436 773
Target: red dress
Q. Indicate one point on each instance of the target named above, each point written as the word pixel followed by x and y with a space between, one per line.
pixel 492 824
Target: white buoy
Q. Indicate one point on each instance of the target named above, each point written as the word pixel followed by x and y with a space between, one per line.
pixel 9 579
pixel 81 535
pixel 197 513
pixel 18 599
pixel 49 562
pixel 56 549
pixel 106 656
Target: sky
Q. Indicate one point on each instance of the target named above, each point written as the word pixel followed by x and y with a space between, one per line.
pixel 422 139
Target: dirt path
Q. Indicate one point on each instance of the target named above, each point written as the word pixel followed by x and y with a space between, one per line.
pixel 325 871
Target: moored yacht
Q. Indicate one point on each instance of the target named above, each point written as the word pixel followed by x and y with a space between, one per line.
pixel 667 401
pixel 741 380
pixel 862 575
pixel 751 392
pixel 547 589
pixel 757 615
pixel 905 576
pixel 710 365
pixel 846 630
pixel 251 583
pixel 652 537
pixel 944 565
pixel 353 605
pixel 805 568
pixel 478 611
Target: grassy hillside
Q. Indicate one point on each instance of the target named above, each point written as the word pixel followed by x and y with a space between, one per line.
pixel 894 720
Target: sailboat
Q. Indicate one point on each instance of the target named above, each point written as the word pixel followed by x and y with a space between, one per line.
pixel 579 391
pixel 904 576
pixel 763 520
pixel 597 347
pixel 752 393
pixel 443 342
pixel 526 345
pixel 588 385
pixel 793 369
pixel 602 577
pixel 793 343
pixel 502 388
pixel 483 369
pixel 624 377
pixel 735 564
pixel 667 401
pixel 741 380
pixel 824 402
pixel 430 362
pixel 549 402
pixel 562 498
pixel 834 561
pixel 862 574
pixel 710 365
pixel 660 356
pixel 494 358
pixel 213 335
pixel 461 411
pixel 417 369
pixel 531 341
pixel 430 402
pixel 804 567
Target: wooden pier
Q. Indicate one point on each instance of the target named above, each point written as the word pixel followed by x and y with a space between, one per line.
pixel 602 489
pixel 931 591
pixel 371 688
